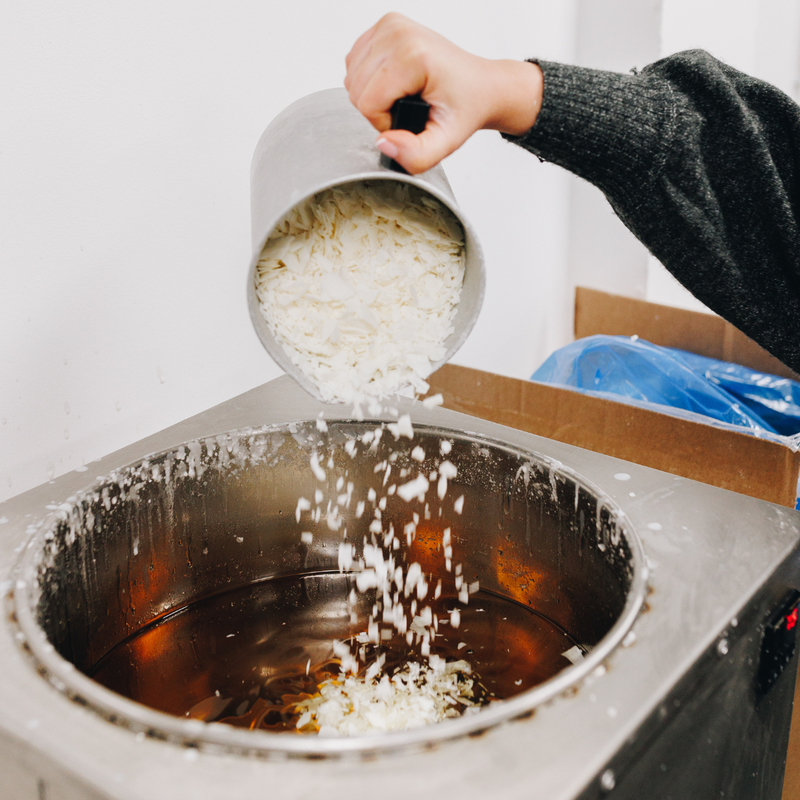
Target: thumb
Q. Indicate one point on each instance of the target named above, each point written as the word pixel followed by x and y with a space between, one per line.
pixel 416 153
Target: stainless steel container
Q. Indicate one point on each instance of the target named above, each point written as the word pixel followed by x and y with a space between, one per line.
pixel 218 515
pixel 321 141
pixel 669 702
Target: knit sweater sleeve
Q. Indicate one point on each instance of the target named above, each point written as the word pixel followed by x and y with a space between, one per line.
pixel 701 163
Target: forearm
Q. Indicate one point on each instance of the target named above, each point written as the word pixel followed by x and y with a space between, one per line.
pixel 698 161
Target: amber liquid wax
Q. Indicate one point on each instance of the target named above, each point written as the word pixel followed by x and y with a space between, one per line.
pixel 246 656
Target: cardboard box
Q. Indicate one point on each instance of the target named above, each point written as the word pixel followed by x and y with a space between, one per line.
pixel 728 459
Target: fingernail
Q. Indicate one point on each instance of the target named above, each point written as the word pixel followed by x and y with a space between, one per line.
pixel 386 147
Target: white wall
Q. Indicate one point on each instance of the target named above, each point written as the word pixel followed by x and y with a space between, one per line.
pixel 126 134
pixel 760 37
pixel 614 35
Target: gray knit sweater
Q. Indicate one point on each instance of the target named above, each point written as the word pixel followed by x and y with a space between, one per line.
pixel 701 162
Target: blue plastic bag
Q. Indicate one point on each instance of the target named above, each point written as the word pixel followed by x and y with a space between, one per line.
pixel 635 369
pixel 776 400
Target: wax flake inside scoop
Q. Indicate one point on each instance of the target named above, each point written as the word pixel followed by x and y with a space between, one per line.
pixel 360 285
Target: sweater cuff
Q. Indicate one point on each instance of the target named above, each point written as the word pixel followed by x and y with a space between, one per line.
pixel 606 127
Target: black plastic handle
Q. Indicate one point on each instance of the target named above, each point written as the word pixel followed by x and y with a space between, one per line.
pixel 408 114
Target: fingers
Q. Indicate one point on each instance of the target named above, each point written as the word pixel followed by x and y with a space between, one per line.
pixel 418 153
pixel 354 59
pixel 383 66
pixel 396 58
pixel 359 48
pixel 386 85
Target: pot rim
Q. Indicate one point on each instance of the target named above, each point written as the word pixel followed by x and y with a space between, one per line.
pixel 140 719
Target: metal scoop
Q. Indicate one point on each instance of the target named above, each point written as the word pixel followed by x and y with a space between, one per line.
pixel 321 141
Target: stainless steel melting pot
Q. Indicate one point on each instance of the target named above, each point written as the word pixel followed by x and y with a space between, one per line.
pixel 681 594
pixel 667 703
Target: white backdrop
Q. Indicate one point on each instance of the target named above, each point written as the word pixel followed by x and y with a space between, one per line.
pixel 126 134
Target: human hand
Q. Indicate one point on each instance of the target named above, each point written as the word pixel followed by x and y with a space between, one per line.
pixel 398 57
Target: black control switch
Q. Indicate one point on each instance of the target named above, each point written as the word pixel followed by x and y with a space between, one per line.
pixel 779 642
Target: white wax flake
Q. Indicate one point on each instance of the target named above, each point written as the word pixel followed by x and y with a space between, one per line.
pixel 302 505
pixel 3 520
pixel 433 400
pixel 455 618
pixel 622 476
pixel 629 639
pixel 318 496
pixel 368 579
pixel 350 447
pixel 458 506
pixel 448 470
pixel 372 495
pixel 342 651
pixel 654 526
pixel 346 557
pixel 573 655
pixel 360 505
pixel 306 537
pixel 474 587
pixel 319 473
pixel 445 447
pixel 334 520
pixel 322 426
pixel 418 454
pixel 415 488
pixel 402 427
pixel 360 285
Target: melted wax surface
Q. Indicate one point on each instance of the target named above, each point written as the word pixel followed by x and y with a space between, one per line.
pixel 245 657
